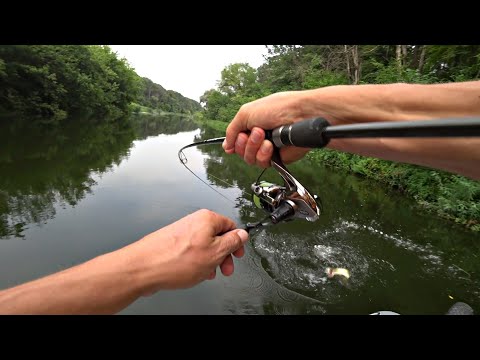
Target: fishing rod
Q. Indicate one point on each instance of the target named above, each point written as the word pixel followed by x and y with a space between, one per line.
pixel 293 200
pixel 317 132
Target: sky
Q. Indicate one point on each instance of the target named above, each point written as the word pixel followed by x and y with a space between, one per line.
pixel 188 69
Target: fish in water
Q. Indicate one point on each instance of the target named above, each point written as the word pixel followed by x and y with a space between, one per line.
pixel 331 272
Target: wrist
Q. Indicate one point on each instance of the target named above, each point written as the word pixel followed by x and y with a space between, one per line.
pixel 148 268
pixel 126 270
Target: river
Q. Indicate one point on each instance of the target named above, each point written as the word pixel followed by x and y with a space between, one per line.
pixel 68 197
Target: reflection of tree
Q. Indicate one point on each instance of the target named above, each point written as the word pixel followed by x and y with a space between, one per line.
pixel 152 125
pixel 40 168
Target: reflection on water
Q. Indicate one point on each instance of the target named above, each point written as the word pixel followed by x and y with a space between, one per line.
pixel 42 168
pixel 151 125
pixel 75 193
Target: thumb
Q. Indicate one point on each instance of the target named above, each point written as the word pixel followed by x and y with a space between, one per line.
pixel 231 241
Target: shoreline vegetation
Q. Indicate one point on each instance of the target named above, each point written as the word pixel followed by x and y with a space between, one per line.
pixel 52 86
pixel 47 85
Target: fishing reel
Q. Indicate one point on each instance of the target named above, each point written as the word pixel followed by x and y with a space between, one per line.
pixel 282 202
pixel 287 202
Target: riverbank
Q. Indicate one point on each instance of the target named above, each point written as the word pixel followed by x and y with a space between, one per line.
pixel 451 197
pixel 145 110
pixel 212 124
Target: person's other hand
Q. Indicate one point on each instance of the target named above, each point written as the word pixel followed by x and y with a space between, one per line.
pixel 188 251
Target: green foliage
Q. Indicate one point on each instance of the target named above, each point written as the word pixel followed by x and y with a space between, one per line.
pixel 47 83
pixel 450 196
pixel 135 108
pixel 238 78
pixel 283 70
pixel 237 86
pixel 321 78
pixel 200 119
pixel 154 96
pixel 216 125
pixel 115 83
pixel 391 73
pixel 453 62
pixel 216 102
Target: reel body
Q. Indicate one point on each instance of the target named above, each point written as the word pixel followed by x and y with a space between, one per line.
pixel 283 203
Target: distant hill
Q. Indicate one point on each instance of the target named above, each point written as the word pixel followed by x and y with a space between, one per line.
pixel 157 97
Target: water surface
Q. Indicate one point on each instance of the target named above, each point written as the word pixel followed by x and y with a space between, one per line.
pixel 79 192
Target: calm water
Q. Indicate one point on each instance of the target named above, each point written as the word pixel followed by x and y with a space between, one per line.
pixel 78 193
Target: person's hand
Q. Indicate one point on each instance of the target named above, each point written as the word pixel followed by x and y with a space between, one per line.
pixel 188 251
pixel 179 255
pixel 265 113
pixel 341 104
pixel 350 104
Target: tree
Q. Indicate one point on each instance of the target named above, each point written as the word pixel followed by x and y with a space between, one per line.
pixel 238 78
pixel 47 83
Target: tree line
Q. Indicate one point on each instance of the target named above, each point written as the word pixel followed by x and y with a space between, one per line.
pixel 294 67
pixel 46 84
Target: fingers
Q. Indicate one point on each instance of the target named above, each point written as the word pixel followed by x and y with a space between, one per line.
pixel 212 275
pixel 264 154
pixel 238 124
pixel 241 143
pixel 231 242
pixel 221 224
pixel 227 266
pixel 254 149
pixel 240 252
pixel 253 145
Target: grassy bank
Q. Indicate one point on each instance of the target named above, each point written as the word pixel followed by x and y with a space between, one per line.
pixel 449 196
pixel 144 110
pixel 213 124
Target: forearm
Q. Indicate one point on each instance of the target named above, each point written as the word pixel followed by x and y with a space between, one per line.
pixel 400 102
pixel 104 285
pixel 177 256
pixel 395 102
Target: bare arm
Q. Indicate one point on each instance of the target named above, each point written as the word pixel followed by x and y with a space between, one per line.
pixel 347 104
pixel 180 255
pixel 101 286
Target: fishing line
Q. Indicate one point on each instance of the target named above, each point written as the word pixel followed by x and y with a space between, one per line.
pixel 231 185
pixel 184 160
